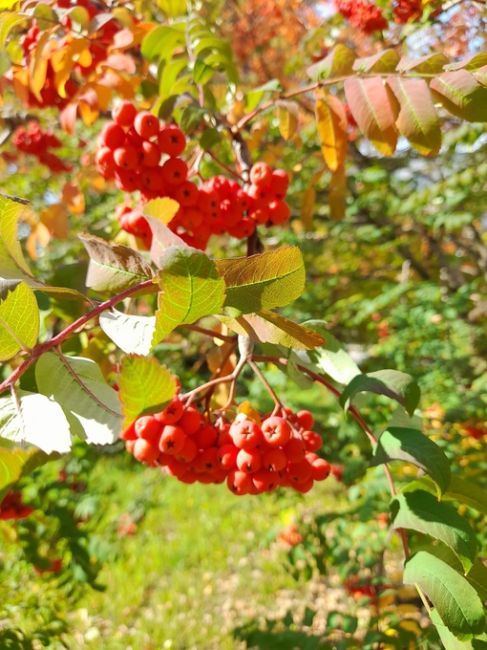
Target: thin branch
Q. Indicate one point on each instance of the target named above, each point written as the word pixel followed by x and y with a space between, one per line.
pixel 207 332
pixel 69 330
pixel 266 384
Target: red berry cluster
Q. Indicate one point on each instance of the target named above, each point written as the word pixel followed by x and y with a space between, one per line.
pixel 406 10
pixel 33 140
pixel 141 153
pixel 251 457
pixel 365 16
pixel 12 507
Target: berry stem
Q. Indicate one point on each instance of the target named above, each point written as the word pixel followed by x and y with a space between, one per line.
pixel 266 384
pixel 69 330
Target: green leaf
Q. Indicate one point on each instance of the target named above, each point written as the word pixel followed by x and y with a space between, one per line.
pixel 191 289
pixel 428 64
pixel 19 321
pixel 145 386
pixel 36 419
pixel 12 263
pixel 477 575
pixel 471 62
pixel 411 446
pixel 113 267
pixel 450 641
pixel 269 327
pixel 15 463
pixel 78 385
pixel 337 63
pixel 456 601
pixel 384 61
pixel 461 94
pixel 417 120
pixel 392 383
pixel 422 512
pixel 271 279
pixel 161 41
pixel 329 357
pixel 466 493
pixel 132 334
pixel 8 20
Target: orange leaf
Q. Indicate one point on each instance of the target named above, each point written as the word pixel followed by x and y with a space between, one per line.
pixel 331 121
pixel 55 219
pixel 374 110
pixel 38 65
pixel 68 117
pixel 73 198
pixel 39 238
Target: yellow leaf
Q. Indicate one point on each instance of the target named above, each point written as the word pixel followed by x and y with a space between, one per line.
pixel 38 65
pixel 88 113
pixel 308 206
pixel 288 121
pixel 331 121
pixel 55 219
pixel 247 409
pixel 39 238
pixel 337 193
pixel 162 209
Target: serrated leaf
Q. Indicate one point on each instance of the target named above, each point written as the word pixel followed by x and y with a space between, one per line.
pixel 269 327
pixel 287 119
pixel 461 94
pixel 113 267
pixel 385 61
pixel 430 63
pixel 271 279
pixel 456 601
pixel 374 112
pixel 331 121
pixel 132 334
pixel 417 120
pixel 330 358
pixel 411 446
pixel 452 642
pixel 78 385
pixel 159 213
pixel 422 512
pixel 19 321
pixel 392 383
pixel 145 386
pixel 190 289
pixel 12 262
pixel 337 63
pixel 36 419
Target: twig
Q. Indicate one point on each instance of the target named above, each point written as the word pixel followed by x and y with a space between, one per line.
pixel 207 332
pixel 266 384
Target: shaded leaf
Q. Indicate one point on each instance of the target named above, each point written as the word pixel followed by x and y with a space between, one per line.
pixel 271 279
pixel 19 321
pixel 78 385
pixel 394 384
pixel 430 63
pixel 12 262
pixel 452 642
pixel 145 386
pixel 15 463
pixel 132 334
pixel 331 121
pixel 374 112
pixel 465 492
pixel 461 94
pixel 417 120
pixel 191 289
pixel 337 194
pixel 411 446
pixel 36 419
pixel 113 267
pixel 420 511
pixel 456 601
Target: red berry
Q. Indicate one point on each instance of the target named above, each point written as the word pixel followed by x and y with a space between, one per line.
pixel 186 194
pixel 261 174
pixel 104 160
pixel 126 157
pixel 124 113
pixel 208 200
pixel 172 413
pixel 172 439
pixel 299 472
pixel 190 421
pixel 320 469
pixel 305 486
pixel 112 135
pixel 174 171
pixel 265 481
pixel 149 428
pixel 305 419
pixel 274 460
pixel 146 124
pixel 207 460
pixel 171 140
pixel 295 450
pixel 276 431
pixel 246 434
pixel 227 456
pixel 188 452
pixel 279 183
pixel 279 212
pixel 312 440
pixel 150 154
pixel 206 436
pixel 129 433
pixel 126 180
pixel 249 460
pixel 145 452
pixel 239 482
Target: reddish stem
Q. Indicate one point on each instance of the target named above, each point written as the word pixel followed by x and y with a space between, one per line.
pixel 70 329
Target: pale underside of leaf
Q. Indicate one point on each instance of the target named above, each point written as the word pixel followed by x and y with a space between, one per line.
pixel 131 333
